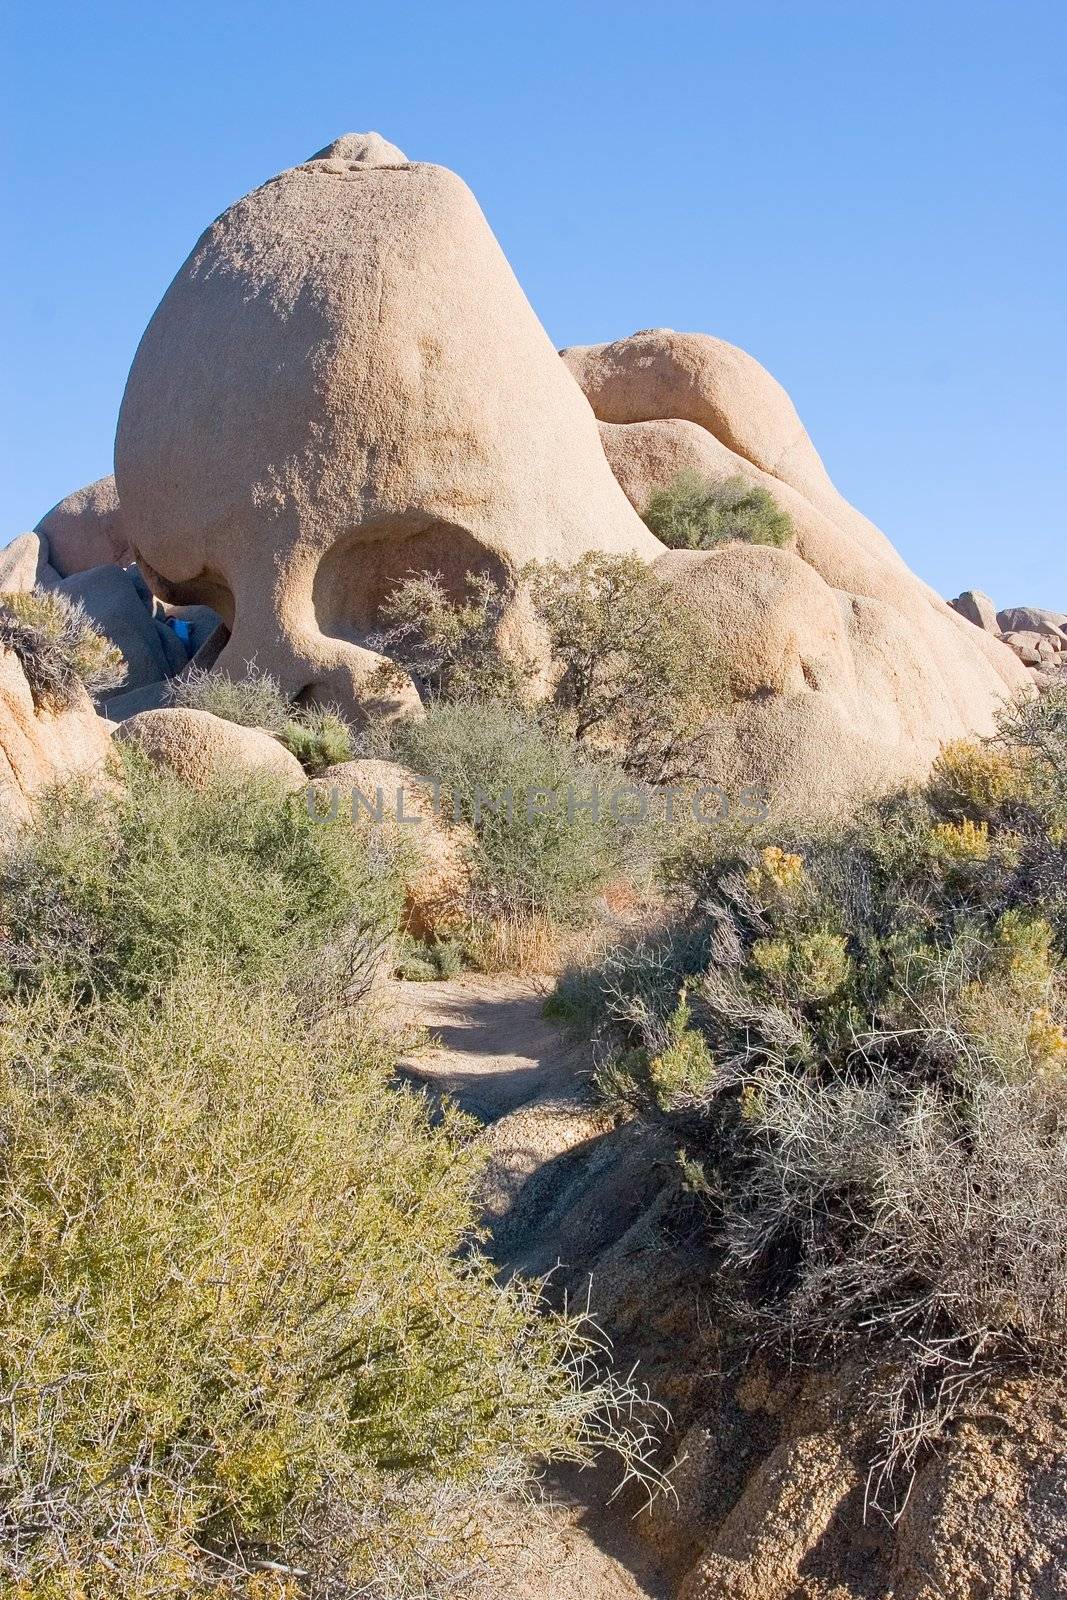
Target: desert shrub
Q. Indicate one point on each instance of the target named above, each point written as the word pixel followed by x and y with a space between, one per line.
pixel 631 674
pixel 878 1100
pixel 526 792
pixel 697 513
pixel 319 737
pixel 241 1320
pixel 450 645
pixel 58 648
pixel 114 890
pixel 247 1343
pixel 426 960
pixel 634 672
pixel 255 700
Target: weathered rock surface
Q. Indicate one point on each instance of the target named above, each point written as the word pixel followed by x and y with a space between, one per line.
pixel 345 383
pixel 1031 648
pixel 879 691
pixel 439 851
pixel 114 606
pixel 24 565
pixel 1032 619
pixel 40 748
pixel 977 608
pixel 199 747
pixel 86 529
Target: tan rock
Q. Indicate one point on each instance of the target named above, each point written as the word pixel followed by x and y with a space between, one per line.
pixel 1031 619
pixel 40 748
pixel 406 806
pixel 345 383
pixel 918 673
pixel 775 625
pixel 86 530
pixel 977 608
pixel 199 747
pixel 114 606
pixel 24 565
pixel 1032 649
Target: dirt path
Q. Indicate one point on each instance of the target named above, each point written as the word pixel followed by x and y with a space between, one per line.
pixel 493 1051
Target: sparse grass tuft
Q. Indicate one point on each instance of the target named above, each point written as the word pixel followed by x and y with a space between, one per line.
pixel 319 737
pixel 58 648
pixel 253 701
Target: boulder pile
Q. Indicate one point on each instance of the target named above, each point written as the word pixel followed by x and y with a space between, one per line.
pixel 1038 638
pixel 345 384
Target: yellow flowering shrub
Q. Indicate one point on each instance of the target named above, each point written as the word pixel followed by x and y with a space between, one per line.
pixel 962 841
pixel 982 776
pixel 778 872
pixel 811 967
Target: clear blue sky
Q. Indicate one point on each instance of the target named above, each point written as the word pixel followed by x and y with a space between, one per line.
pixel 868 196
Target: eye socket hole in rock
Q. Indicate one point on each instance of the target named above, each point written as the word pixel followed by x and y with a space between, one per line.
pixel 364 566
pixel 208 588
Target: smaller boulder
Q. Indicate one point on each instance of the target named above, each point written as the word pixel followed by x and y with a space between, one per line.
pixel 85 530
pixel 40 748
pixel 404 805
pixel 1031 648
pixel 24 565
pixel 1031 619
pixel 977 608
pixel 199 748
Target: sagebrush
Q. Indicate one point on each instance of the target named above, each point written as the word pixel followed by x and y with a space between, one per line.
pixel 695 512
pixel 248 1344
pixel 859 1036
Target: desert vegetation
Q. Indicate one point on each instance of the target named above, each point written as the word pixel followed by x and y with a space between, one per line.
pixel 59 651
pixel 857 1038
pixel 694 512
pixel 319 736
pixel 249 1345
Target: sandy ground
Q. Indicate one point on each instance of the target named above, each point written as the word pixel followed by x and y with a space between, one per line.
pixel 491 1049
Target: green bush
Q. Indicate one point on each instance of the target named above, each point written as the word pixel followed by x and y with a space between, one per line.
pixel 114 891
pixel 698 513
pixel 319 737
pixel 58 648
pixel 878 1097
pixel 632 675
pixel 539 858
pixel 244 1330
pixel 241 1321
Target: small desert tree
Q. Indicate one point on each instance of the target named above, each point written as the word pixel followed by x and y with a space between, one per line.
pixel 634 670
pixel 449 645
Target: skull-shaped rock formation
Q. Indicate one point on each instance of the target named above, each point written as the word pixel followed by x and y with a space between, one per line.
pixel 848 673
pixel 343 384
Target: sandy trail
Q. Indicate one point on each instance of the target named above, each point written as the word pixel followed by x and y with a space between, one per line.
pixel 493 1052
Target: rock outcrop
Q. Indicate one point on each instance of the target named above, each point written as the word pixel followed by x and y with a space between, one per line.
pixel 200 748
pixel 25 565
pixel 1032 619
pixel 977 608
pixel 875 671
pixel 85 530
pixel 345 383
pixel 41 748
